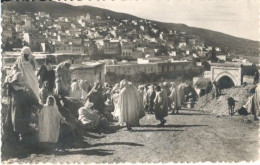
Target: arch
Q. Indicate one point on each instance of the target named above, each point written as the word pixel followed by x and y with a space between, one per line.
pixel 222 74
pixel 226 82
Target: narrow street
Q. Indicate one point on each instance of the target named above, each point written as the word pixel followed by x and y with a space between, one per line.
pixel 191 136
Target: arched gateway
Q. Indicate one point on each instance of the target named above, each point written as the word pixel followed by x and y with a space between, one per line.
pixel 227 74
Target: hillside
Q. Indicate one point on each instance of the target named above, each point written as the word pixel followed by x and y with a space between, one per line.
pixel 226 42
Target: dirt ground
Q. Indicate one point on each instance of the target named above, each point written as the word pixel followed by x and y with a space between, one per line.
pixel 191 136
pixel 219 106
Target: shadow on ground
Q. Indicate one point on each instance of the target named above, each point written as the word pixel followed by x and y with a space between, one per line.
pixel 190 114
pixel 174 126
pixel 116 143
pixel 97 152
pixel 156 130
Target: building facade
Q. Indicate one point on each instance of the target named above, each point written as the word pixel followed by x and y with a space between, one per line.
pixel 92 72
pixel 159 68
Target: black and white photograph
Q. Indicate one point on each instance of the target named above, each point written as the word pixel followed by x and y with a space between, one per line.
pixel 130 81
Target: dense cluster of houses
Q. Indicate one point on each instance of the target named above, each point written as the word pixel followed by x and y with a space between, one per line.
pixel 146 46
pixel 96 36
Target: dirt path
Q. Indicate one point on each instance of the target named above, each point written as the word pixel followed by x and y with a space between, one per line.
pixel 190 136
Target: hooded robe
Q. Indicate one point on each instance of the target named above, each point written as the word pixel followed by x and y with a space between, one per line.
pixel 127 105
pixel 49 122
pixel 175 97
pixel 28 69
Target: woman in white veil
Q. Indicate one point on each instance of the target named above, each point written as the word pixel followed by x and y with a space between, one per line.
pixel 49 122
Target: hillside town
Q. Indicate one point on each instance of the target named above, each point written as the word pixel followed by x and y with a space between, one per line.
pixel 74 83
pixel 107 37
pixel 121 44
pixel 99 37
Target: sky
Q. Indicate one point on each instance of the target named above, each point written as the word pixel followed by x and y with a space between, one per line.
pixel 239 18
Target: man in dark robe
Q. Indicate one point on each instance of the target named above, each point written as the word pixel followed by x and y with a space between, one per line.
pixel 46 73
pixel 256 77
pixel 161 105
pixel 97 97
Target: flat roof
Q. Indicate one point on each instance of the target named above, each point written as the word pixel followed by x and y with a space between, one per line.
pixel 85 65
pixel 65 54
pixel 231 64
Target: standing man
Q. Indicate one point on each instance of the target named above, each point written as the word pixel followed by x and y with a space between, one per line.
pixel 175 98
pixel 256 77
pixel 128 106
pixel 215 90
pixel 161 105
pixel 150 99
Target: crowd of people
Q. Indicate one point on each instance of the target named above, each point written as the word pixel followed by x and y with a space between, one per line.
pixel 51 97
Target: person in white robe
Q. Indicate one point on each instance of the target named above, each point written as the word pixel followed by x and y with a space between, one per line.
pixel 175 98
pixel 141 92
pixel 75 90
pixel 128 106
pixel 181 89
pixel 253 104
pixel 150 95
pixel 89 117
pixel 84 86
pixel 27 65
pixel 115 96
pixel 139 101
pixel 145 97
pixel 49 122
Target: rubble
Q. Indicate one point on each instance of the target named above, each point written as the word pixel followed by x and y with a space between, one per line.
pixel 218 106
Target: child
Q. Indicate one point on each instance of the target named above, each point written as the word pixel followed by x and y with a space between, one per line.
pixel 44 92
pixel 49 122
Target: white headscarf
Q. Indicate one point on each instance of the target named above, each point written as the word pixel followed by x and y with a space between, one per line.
pixel 54 103
pixel 28 68
pixel 49 122
pixel 123 84
pixel 21 60
pixel 88 104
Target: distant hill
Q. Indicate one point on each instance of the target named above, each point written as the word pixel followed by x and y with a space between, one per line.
pixel 55 9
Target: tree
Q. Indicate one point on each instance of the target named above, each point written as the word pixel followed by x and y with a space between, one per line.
pixel 212 55
pixel 206 65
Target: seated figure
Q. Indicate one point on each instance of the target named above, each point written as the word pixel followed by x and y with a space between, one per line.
pixel 90 118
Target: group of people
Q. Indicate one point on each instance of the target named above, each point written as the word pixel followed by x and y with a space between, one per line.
pixel 40 94
pixel 48 93
pixel 158 99
pixel 54 98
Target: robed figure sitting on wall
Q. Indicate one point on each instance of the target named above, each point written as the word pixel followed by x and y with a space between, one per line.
pixel 63 79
